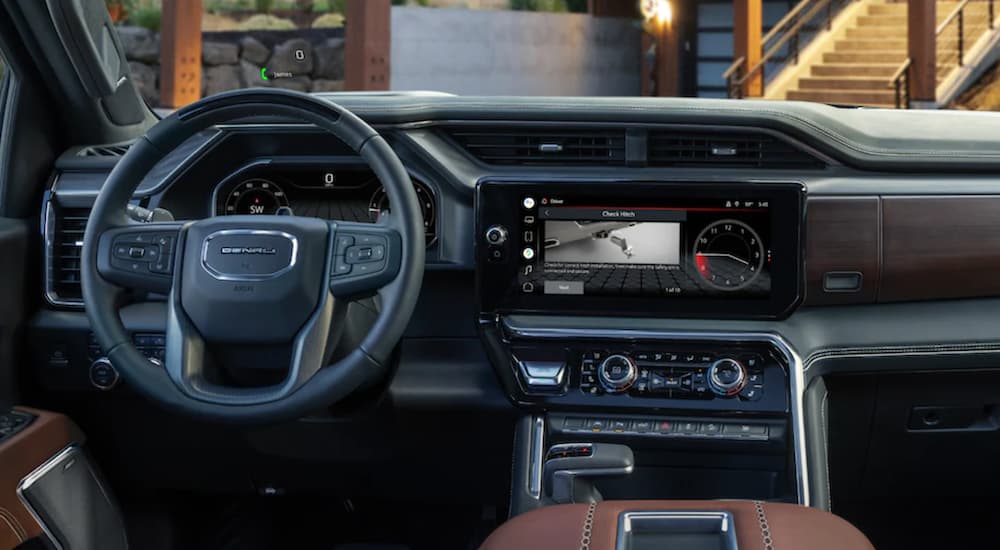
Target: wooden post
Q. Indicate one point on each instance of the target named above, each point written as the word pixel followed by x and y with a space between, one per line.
pixel 668 58
pixel 922 49
pixel 366 52
pixel 748 23
pixel 180 52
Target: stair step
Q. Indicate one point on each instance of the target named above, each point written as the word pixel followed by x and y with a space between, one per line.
pixel 844 83
pixel 881 20
pixel 858 70
pixel 887 9
pixel 864 57
pixel 877 32
pixel 846 97
pixel 868 44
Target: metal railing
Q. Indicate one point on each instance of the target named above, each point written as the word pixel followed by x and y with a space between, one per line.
pixel 947 58
pixel 783 43
pixel 967 28
pixel 901 81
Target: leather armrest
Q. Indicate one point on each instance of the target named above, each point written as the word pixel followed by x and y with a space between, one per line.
pixel 20 455
pixel 759 526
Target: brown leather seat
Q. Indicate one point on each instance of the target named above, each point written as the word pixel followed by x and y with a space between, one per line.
pixel 759 526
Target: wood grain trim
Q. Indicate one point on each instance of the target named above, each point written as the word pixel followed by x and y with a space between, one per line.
pixel 842 234
pixel 940 247
pixel 20 455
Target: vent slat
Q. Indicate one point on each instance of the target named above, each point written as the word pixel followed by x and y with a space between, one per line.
pixel 689 149
pixel 64 275
pixel 104 150
pixel 556 146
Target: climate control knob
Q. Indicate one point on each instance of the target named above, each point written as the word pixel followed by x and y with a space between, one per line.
pixel 727 377
pixel 496 235
pixel 617 373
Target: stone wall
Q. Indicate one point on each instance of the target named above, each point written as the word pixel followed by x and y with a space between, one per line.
pixel 233 60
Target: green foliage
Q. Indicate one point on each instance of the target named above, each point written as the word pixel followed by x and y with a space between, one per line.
pixel 266 22
pixel 328 21
pixel 146 17
pixel 263 6
pixel 539 5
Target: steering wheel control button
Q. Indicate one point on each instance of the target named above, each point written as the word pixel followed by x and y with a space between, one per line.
pixel 617 373
pixel 341 267
pixel 727 377
pixel 103 375
pixel 343 243
pixel 496 235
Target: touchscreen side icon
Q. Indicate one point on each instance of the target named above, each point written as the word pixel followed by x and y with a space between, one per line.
pixel 528 269
pixel 528 288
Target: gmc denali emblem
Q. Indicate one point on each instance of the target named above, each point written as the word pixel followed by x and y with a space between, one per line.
pixel 249 250
pixel 246 255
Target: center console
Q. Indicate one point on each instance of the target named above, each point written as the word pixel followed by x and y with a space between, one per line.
pixel 708 414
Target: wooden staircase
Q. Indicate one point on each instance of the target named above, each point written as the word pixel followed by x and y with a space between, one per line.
pixel 858 69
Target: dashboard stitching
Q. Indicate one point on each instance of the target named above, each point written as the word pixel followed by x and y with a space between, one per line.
pixel 14 524
pixel 826 448
pixel 765 529
pixel 986 347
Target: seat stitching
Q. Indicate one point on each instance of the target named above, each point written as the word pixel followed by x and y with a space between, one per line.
pixel 588 527
pixel 765 529
pixel 14 524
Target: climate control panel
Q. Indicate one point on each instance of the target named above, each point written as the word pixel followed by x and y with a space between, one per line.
pixel 635 375
pixel 672 374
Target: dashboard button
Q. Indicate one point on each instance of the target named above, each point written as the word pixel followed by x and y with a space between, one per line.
pixel 745 430
pixel 688 427
pixel 711 428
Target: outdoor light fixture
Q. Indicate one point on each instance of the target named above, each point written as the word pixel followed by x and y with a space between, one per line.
pixel 658 10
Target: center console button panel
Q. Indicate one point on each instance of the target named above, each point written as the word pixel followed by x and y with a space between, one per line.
pixel 739 376
pixel 662 428
pixel 673 374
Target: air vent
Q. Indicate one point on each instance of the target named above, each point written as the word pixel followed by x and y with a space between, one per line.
pixel 65 244
pixel 718 150
pixel 549 146
pixel 113 151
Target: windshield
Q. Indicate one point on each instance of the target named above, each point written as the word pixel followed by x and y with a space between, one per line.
pixel 839 52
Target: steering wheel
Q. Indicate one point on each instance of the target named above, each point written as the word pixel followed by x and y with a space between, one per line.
pixel 246 290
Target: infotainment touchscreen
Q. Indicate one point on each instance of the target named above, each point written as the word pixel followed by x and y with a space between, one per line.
pixel 674 248
pixel 690 249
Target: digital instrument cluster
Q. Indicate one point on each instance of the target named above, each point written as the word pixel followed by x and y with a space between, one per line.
pixel 347 193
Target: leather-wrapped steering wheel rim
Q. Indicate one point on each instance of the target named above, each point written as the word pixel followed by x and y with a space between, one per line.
pixel 173 387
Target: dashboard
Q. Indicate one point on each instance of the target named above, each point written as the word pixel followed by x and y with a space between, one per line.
pixel 614 254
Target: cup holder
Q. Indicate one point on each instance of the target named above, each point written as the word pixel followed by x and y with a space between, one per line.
pixel 651 530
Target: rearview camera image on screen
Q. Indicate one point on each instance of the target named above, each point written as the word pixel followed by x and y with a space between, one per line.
pixel 612 242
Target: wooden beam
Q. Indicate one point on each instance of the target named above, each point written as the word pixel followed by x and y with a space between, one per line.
pixel 922 49
pixel 668 58
pixel 180 52
pixel 366 52
pixel 748 23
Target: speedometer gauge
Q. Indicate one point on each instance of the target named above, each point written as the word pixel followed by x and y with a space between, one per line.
pixel 255 196
pixel 729 255
pixel 379 204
